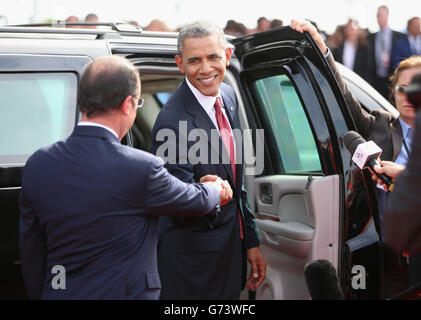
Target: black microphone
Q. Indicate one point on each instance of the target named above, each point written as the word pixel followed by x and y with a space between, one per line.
pixel 365 154
pixel 413 91
pixel 322 281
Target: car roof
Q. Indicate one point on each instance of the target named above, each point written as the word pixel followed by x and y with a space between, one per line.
pixel 120 38
pixel 93 42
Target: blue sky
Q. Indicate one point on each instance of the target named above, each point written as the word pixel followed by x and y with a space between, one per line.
pixel 327 13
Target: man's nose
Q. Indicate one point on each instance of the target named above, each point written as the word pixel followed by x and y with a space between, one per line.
pixel 205 67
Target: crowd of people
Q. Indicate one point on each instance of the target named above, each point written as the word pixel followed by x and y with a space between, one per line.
pixel 373 56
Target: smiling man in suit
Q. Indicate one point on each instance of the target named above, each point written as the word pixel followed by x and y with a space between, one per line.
pixel 89 205
pixel 202 258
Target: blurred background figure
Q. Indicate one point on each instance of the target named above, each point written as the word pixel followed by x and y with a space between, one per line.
pixel 337 38
pixel 409 45
pixel 91 18
pixel 263 24
pixel 381 44
pixel 354 51
pixel 235 28
pixel 71 19
pixel 276 23
pixel 157 25
pixel 231 28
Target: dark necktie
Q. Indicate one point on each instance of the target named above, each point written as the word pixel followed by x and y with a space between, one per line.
pixel 228 140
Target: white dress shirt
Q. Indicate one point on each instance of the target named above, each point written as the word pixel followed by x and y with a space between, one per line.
pixel 383 48
pixel 350 51
pixel 208 103
pixel 94 124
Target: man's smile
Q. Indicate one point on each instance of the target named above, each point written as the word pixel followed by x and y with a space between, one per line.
pixel 209 79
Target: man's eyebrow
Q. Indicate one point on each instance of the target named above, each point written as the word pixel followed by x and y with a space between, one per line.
pixel 192 59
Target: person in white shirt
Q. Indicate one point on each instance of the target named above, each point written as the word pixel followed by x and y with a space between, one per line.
pixel 381 44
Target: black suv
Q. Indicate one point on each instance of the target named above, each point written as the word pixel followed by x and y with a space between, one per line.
pixel 310 201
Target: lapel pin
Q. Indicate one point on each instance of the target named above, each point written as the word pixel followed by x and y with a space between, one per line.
pixel 231 108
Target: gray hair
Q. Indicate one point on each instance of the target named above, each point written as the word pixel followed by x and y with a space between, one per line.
pixel 200 29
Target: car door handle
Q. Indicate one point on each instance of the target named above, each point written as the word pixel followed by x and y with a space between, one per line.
pixel 266 195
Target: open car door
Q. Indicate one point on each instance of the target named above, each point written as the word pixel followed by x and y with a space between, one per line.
pixel 310 201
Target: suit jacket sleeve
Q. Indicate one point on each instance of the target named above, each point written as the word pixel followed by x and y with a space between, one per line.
pixel 363 120
pixel 403 211
pixel 396 55
pixel 32 245
pixel 177 163
pixel 253 238
pixel 169 196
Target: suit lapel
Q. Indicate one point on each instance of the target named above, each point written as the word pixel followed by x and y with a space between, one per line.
pixel 231 111
pixel 397 138
pixel 202 121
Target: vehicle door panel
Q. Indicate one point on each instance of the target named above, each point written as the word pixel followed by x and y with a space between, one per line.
pixel 300 225
pixel 300 220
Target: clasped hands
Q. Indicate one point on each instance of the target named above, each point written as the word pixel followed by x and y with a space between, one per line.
pixel 225 191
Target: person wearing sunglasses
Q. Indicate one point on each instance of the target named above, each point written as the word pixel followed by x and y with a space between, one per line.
pixel 393 136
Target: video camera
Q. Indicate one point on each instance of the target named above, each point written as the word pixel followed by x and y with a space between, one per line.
pixel 413 91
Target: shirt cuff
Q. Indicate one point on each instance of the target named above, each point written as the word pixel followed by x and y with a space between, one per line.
pixel 328 52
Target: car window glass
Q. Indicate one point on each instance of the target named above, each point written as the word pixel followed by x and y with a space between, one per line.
pixel 288 124
pixel 163 97
pixel 37 109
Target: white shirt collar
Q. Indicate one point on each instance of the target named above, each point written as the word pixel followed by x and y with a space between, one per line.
pixel 94 124
pixel 207 102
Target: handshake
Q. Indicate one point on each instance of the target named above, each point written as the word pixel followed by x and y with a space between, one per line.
pixel 225 191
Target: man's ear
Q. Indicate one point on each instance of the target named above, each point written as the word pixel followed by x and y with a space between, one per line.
pixel 228 54
pixel 179 63
pixel 126 105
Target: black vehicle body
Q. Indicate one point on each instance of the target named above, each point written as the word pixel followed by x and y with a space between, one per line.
pixel 325 209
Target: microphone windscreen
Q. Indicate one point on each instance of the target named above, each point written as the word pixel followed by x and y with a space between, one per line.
pixel 322 281
pixel 352 140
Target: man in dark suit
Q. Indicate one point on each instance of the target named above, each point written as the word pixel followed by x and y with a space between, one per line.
pixel 198 258
pixel 408 45
pixel 381 44
pixel 89 205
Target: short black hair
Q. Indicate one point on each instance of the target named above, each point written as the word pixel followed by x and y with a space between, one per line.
pixel 106 83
